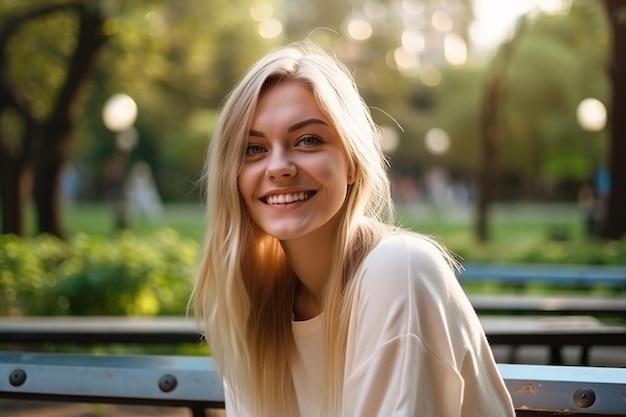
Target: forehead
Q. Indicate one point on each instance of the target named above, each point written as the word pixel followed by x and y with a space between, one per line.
pixel 287 101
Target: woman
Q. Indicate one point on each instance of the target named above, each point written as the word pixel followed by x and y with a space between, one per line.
pixel 312 302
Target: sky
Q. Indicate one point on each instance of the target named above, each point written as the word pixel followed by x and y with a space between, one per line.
pixel 495 19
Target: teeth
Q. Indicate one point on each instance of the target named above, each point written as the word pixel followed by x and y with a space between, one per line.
pixel 287 198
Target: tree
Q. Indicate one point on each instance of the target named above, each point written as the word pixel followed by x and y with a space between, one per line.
pixel 493 103
pixel 615 225
pixel 34 161
pixel 164 53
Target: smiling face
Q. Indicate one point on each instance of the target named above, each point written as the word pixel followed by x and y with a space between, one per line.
pixel 294 178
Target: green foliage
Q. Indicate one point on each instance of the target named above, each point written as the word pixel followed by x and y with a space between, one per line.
pixel 152 274
pixel 177 60
pixel 91 275
pixel 38 60
pixel 547 251
pixel 558 61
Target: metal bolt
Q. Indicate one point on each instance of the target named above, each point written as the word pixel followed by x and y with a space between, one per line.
pixel 167 383
pixel 584 397
pixel 17 377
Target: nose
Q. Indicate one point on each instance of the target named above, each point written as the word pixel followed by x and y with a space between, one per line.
pixel 280 165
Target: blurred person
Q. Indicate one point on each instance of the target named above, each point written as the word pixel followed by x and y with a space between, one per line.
pixel 312 301
pixel 437 184
pixel 142 191
pixel 70 183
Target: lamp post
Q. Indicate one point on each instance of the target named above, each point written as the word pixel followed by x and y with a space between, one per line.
pixel 119 115
pixel 591 115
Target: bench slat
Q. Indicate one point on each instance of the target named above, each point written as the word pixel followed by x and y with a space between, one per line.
pixel 577 330
pixel 587 305
pixel 585 275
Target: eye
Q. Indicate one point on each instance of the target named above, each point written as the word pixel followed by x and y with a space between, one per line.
pixel 254 149
pixel 309 141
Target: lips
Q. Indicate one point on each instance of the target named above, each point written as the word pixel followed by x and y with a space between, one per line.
pixel 287 198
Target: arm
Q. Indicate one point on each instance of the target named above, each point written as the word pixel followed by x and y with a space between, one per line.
pixel 415 345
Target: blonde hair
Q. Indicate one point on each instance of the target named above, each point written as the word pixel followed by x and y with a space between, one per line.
pixel 243 294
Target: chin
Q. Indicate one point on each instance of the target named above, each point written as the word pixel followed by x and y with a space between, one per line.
pixel 285 233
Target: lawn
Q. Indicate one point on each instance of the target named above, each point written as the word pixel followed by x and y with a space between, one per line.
pixel 511 224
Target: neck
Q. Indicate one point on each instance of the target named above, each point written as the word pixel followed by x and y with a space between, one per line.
pixel 310 258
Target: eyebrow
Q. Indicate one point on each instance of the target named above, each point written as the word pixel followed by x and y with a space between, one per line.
pixel 292 128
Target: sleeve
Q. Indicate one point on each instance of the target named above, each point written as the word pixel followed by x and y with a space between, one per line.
pixel 415 346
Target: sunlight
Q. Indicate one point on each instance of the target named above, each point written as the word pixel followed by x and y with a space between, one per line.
pixel 496 19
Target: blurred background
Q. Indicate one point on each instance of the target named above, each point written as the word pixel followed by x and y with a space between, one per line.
pixel 501 122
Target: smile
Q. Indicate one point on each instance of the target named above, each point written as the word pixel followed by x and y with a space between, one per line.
pixel 288 198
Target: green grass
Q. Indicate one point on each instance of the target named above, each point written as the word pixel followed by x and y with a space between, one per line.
pixel 186 220
pixel 512 225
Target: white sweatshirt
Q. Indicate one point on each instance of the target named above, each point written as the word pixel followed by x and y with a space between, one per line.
pixel 415 345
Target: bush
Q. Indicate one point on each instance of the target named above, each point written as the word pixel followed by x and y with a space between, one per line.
pixel 541 252
pixel 92 275
pixel 153 275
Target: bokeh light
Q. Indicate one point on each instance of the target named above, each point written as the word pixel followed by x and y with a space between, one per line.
pixel 591 114
pixel 359 29
pixel 442 21
pixel 437 141
pixel 405 60
pixel 270 28
pixel 119 112
pixel 430 75
pixel 455 49
pixel 261 11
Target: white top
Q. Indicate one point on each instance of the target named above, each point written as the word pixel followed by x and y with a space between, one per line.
pixel 415 345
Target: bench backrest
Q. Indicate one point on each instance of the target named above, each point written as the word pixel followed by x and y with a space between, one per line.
pixel 193 382
pixel 566 275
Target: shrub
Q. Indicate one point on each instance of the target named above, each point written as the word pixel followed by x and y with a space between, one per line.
pixel 92 275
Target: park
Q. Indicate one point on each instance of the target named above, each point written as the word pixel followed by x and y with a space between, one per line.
pixel 505 147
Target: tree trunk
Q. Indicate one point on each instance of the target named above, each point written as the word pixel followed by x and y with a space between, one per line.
pixel 44 143
pixel 15 184
pixel 492 130
pixel 615 224
pixel 490 154
pixel 49 162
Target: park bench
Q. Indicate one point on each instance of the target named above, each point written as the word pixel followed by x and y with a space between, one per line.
pixel 583 276
pixel 556 279
pixel 605 307
pixel 193 382
pixel 554 332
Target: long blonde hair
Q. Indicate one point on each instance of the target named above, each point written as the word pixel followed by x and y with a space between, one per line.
pixel 243 294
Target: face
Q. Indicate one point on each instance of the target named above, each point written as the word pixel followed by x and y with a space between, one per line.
pixel 294 179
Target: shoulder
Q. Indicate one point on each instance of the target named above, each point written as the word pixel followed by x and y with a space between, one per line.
pixel 403 262
pixel 405 249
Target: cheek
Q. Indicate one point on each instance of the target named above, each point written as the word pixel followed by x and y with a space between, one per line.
pixel 334 169
pixel 245 182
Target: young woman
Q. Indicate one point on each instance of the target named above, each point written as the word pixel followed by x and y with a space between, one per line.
pixel 312 302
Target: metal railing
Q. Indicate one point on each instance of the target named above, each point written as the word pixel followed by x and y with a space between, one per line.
pixel 193 382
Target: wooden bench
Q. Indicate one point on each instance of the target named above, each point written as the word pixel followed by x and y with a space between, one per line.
pixel 553 332
pixel 193 382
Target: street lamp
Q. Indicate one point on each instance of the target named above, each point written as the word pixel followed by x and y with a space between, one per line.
pixel 119 115
pixel 592 117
